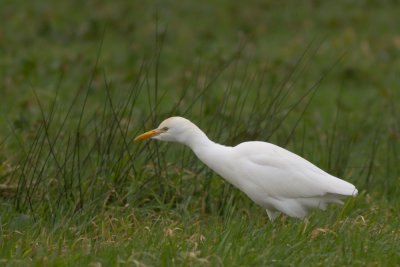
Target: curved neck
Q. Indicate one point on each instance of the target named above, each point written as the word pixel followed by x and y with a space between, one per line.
pixel 205 149
pixel 197 140
pixel 217 157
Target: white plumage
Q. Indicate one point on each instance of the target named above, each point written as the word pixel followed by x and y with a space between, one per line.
pixel 271 176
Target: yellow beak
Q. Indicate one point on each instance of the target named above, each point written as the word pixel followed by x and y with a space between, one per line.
pixel 149 134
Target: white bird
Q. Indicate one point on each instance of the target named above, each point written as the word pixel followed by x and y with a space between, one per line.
pixel 273 177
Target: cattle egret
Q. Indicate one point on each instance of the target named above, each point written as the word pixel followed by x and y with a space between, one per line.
pixel 273 177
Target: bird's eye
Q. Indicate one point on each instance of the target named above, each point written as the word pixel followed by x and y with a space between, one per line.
pixel 165 129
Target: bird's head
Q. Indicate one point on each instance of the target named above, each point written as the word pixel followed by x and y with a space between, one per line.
pixel 174 129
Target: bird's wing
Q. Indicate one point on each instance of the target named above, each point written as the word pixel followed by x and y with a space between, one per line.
pixel 282 173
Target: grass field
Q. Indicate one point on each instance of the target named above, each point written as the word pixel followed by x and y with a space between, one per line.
pixel 79 80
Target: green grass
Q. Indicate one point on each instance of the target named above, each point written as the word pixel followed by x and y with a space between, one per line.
pixel 80 81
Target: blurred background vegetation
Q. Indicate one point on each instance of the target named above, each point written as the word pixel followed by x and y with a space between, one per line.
pixel 79 80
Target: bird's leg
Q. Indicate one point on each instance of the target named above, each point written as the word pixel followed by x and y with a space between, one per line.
pixel 272 214
pixel 306 222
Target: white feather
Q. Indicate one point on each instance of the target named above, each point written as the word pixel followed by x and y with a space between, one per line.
pixel 271 176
